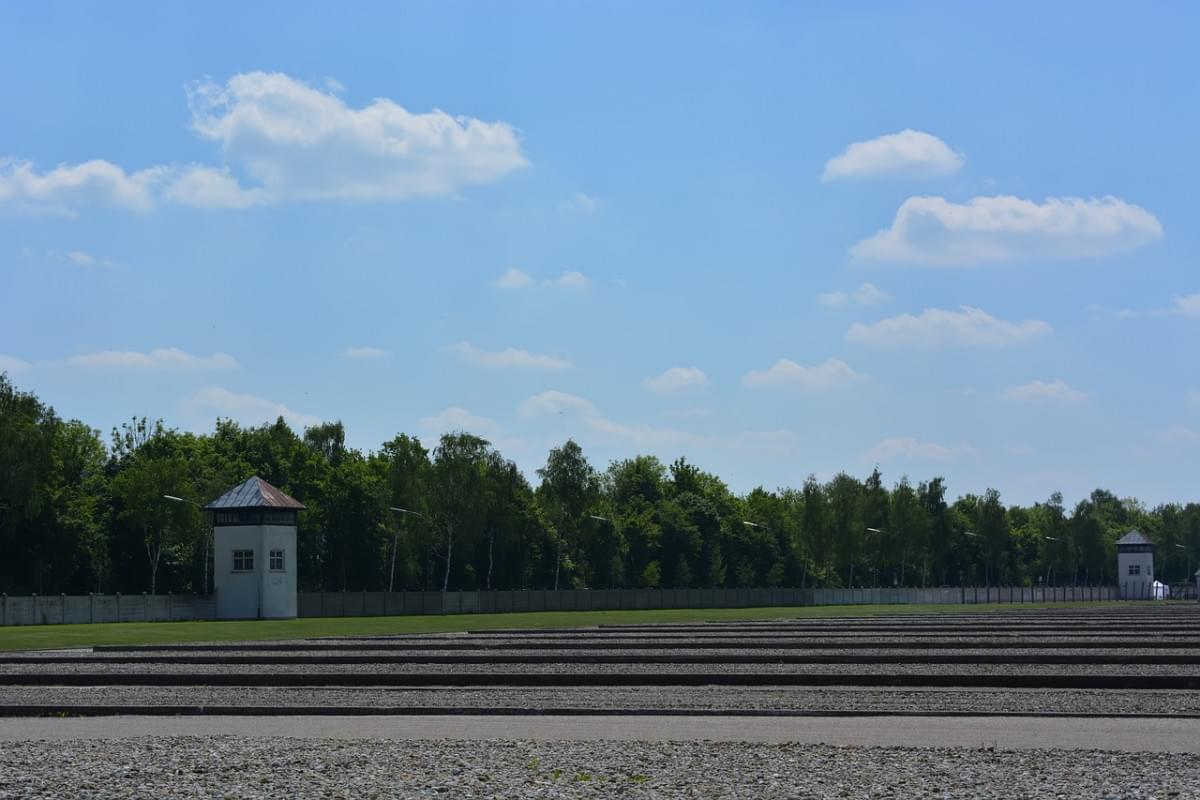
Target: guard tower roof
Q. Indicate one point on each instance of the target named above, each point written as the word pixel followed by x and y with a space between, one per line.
pixel 254 493
pixel 1134 537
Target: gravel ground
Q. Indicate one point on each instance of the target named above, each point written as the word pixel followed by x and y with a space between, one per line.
pixel 648 649
pixel 716 631
pixel 193 767
pixel 916 645
pixel 756 639
pixel 543 669
pixel 701 698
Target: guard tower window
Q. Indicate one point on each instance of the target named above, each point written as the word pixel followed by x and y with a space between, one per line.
pixel 243 560
pixel 1135 569
pixel 277 561
pixel 279 517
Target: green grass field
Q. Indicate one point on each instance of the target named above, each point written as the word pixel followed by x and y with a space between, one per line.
pixel 41 637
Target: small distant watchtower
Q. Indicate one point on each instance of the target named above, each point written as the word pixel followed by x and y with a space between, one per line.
pixel 254 563
pixel 1135 566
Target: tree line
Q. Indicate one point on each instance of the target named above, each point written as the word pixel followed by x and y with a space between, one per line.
pixel 81 514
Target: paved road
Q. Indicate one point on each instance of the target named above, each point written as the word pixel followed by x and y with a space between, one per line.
pixel 1125 734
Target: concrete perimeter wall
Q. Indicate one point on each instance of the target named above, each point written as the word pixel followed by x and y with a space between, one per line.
pixel 368 604
pixel 63 609
pixel 60 609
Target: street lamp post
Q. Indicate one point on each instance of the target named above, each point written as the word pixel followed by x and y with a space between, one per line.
pixel 396 543
pixel 1188 565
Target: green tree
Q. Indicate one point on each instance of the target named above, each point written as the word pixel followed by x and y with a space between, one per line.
pixel 140 487
pixel 992 527
pixel 405 471
pixel 80 498
pixel 875 514
pixel 932 496
pixel 457 481
pixel 640 478
pixel 815 529
pixel 27 435
pixel 906 532
pixel 846 522
pixel 569 487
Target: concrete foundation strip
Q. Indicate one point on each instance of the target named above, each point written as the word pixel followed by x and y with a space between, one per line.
pixel 590 658
pixel 17 711
pixel 951 643
pixel 1019 681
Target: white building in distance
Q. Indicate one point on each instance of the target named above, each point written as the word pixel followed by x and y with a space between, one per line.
pixel 1135 566
pixel 254 560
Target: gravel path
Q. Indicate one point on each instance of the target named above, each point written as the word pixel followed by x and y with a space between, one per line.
pixel 702 698
pixel 191 767
pixel 554 668
pixel 648 649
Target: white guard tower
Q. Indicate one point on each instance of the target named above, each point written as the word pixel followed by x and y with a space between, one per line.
pixel 1135 566
pixel 254 564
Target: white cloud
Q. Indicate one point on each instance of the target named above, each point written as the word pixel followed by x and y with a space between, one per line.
pixel 292 142
pixel 1056 392
pixel 695 412
pixel 78 258
pixel 833 374
pixel 1186 305
pixel 211 187
pixel 833 299
pixel 159 358
pixel 508 358
pixel 1098 311
pixel 245 408
pixel 936 327
pixel 868 294
pixel 11 364
pixel 516 279
pixel 572 280
pixel 910 153
pixel 1019 450
pixel 583 202
pixel 66 187
pixel 772 441
pixel 301 143
pixel 513 279
pixel 1178 434
pixel 554 403
pixel 677 379
pixel 908 448
pixel 364 352
pixel 455 418
pixel 935 231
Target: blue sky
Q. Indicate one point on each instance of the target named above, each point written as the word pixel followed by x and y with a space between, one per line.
pixel 776 238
